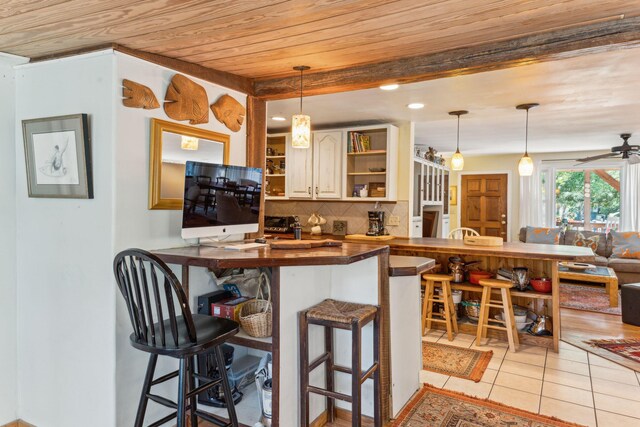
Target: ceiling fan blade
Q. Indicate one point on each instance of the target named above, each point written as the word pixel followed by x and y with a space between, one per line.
pixel 634 159
pixel 601 156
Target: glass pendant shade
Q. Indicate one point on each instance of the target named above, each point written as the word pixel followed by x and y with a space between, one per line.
pixel 189 143
pixel 525 167
pixel 457 161
pixel 300 131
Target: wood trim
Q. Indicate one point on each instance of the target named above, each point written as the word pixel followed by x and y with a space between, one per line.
pixel 257 145
pixel 385 335
pixel 18 423
pixel 321 420
pixel 564 43
pixel 73 52
pixel 228 80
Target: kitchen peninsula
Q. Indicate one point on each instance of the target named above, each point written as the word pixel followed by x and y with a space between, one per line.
pixel 301 278
pixel 541 260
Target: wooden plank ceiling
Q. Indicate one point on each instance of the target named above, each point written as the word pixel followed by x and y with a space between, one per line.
pixel 266 38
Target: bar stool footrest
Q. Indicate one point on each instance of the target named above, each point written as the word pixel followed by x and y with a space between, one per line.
pixel 331 394
pixel 164 420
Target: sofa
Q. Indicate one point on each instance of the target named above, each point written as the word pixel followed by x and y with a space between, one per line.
pixel 627 270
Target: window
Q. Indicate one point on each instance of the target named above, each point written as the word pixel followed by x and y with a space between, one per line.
pixel 586 198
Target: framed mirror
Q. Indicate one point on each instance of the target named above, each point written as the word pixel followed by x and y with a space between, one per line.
pixel 172 144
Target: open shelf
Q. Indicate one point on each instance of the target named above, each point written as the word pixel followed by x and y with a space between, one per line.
pixel 276 157
pixel 467 326
pixel 524 294
pixel 368 153
pixel 275 174
pixel 466 286
pixel 245 340
pixel 366 173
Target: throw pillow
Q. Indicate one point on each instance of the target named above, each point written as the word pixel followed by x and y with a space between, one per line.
pixel 626 244
pixel 549 236
pixel 590 242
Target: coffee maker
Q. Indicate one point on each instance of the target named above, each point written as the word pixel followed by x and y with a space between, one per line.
pixel 376 224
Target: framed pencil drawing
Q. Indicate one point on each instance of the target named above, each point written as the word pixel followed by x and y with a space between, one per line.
pixel 58 157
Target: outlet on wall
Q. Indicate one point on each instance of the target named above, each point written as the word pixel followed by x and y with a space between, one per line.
pixel 393 220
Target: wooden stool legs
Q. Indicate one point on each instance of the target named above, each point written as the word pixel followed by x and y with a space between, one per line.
pixel 446 298
pixel 507 307
pixel 358 377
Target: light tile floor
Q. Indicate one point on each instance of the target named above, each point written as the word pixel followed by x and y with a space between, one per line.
pixel 572 385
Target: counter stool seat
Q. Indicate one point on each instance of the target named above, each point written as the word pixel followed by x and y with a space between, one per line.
pixel 341 312
pixel 449 318
pixel 507 307
pixel 342 315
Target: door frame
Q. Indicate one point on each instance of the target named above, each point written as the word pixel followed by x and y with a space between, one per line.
pixel 509 174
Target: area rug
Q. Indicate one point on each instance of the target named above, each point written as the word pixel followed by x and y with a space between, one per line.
pixel 455 361
pixel 627 348
pixel 587 298
pixel 432 407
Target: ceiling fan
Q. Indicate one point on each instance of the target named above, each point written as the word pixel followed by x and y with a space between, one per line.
pixel 629 152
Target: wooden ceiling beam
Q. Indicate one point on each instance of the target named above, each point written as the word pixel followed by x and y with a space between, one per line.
pixel 228 80
pixel 558 44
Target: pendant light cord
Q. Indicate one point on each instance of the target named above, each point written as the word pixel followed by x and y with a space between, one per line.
pixel 458 139
pixel 526 135
pixel 301 71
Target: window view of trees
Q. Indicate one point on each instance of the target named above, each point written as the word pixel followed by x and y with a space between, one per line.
pixel 588 199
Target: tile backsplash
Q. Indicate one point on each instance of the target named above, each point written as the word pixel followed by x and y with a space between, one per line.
pixel 354 213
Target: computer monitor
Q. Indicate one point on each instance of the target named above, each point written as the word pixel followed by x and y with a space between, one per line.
pixel 220 200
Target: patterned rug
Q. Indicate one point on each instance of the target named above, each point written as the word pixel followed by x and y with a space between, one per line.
pixel 456 361
pixel 432 407
pixel 588 298
pixel 628 348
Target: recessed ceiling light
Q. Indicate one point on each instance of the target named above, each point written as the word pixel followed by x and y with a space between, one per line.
pixel 278 118
pixel 392 86
pixel 416 105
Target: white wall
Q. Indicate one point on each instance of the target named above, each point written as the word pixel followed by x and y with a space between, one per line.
pixel 66 295
pixel 135 225
pixel 8 331
pixel 75 360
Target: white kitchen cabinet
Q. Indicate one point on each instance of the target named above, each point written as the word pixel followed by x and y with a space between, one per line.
pixel 299 172
pixel 334 167
pixel 327 164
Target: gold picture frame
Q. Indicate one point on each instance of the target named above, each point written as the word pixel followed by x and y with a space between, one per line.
pixel 165 189
pixel 453 195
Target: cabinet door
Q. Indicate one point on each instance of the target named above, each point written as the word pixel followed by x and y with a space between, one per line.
pixel 327 164
pixel 299 172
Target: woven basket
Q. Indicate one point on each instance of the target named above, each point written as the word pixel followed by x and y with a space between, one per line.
pixel 255 315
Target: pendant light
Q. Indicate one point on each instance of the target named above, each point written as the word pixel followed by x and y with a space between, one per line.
pixel 300 123
pixel 457 161
pixel 525 167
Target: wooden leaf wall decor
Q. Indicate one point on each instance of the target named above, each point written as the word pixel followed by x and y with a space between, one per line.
pixel 229 111
pixel 136 95
pixel 186 100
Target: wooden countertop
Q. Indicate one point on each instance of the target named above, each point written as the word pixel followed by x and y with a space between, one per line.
pixel 206 256
pixel 508 250
pixel 400 265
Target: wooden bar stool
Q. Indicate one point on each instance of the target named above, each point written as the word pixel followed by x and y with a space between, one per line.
pixel 506 305
pixel 342 315
pixel 449 318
